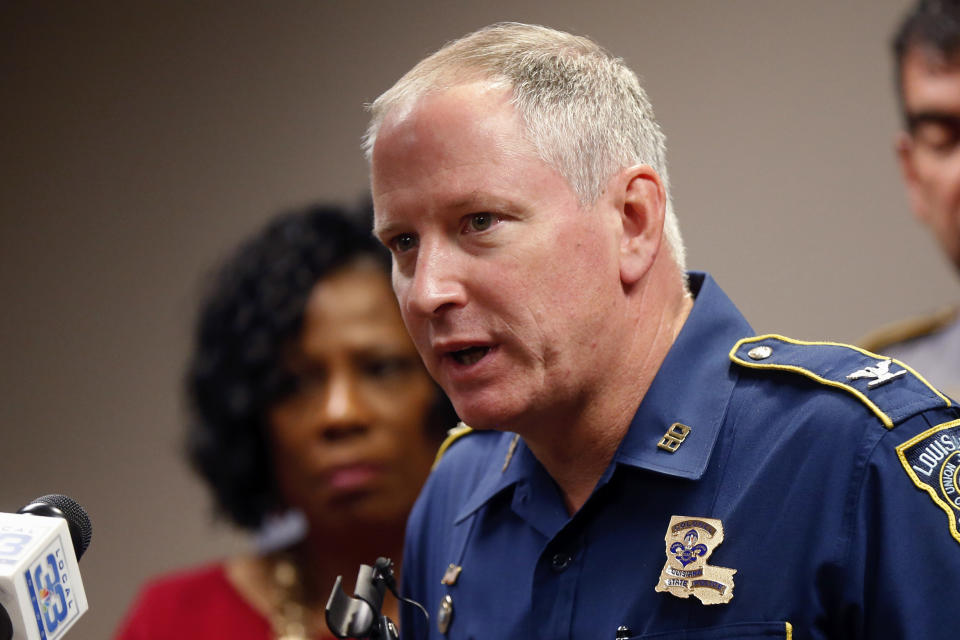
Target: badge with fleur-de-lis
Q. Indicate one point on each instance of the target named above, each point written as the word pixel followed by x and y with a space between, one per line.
pixel 690 541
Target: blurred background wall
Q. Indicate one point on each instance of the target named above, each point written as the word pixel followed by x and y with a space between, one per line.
pixel 140 141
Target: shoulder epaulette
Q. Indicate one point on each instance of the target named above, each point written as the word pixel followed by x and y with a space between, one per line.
pixel 452 436
pixel 890 389
pixel 905 330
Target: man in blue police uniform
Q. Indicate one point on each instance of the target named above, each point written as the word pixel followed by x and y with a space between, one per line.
pixel 927 58
pixel 643 465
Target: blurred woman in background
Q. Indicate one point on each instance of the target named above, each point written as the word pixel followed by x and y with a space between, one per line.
pixel 306 394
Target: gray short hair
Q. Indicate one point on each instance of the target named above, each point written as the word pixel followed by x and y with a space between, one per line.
pixel 584 110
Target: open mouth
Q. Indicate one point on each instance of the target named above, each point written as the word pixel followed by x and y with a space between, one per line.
pixel 470 355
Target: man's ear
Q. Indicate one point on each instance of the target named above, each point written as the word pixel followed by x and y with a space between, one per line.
pixel 642 210
pixel 906 155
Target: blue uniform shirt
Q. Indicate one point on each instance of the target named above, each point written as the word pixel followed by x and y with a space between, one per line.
pixel 830 472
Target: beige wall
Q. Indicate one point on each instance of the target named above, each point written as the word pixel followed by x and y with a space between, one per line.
pixel 138 141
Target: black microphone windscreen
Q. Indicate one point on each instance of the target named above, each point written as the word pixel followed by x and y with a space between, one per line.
pixel 54 504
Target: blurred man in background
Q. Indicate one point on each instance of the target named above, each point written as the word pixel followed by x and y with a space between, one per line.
pixel 927 57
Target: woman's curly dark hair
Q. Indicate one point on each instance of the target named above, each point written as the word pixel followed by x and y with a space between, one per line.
pixel 253 311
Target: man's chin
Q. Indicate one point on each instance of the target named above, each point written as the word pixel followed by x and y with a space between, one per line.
pixel 485 417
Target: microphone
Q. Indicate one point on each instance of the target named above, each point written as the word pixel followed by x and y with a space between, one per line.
pixel 41 594
pixel 361 616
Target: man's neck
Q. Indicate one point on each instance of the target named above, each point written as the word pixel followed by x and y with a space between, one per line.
pixel 576 448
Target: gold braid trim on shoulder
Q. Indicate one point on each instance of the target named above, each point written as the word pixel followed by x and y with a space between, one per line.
pixel 452 436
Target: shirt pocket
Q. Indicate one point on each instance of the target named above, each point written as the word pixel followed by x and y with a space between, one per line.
pixel 746 630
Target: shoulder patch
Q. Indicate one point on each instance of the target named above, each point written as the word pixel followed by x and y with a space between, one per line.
pixel 452 436
pixel 890 389
pixel 932 460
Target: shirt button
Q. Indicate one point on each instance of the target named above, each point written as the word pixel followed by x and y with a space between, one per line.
pixel 560 561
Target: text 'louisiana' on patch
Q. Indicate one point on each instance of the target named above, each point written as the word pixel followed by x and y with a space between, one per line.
pixel 932 460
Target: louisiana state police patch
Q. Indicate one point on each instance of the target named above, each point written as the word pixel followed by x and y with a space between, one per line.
pixel 932 460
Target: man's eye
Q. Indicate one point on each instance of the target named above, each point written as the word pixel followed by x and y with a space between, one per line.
pixel 937 137
pixel 940 134
pixel 480 221
pixel 403 242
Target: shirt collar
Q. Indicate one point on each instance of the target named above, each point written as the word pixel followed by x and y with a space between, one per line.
pixel 511 462
pixel 692 387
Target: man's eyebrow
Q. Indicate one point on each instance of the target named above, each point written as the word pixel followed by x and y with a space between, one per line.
pixel 470 200
pixel 385 229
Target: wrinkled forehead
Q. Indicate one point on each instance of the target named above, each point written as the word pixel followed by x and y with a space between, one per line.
pixel 445 132
pixel 457 153
pixel 931 98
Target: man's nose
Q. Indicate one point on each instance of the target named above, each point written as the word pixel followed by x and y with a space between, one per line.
pixel 437 284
